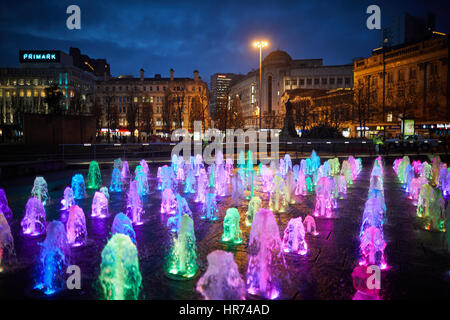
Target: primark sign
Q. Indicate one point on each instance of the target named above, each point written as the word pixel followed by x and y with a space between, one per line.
pixel 39 56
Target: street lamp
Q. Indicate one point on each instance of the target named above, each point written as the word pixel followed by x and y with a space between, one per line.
pixel 260 45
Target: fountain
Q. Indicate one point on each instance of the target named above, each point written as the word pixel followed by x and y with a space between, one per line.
pixel 174 162
pixel 99 206
pixel 122 224
pixel 78 187
pixel 202 186
pixel 334 166
pixel 278 195
pixel 216 284
pixel 291 186
pixel 401 169
pixel 68 199
pixel 190 182
pixel 125 173
pixel 211 175
pixel 4 206
pixel 238 189
pixel 287 164
pixel 253 206
pixel 294 238
pixel 142 181
pixel 266 178
pixel 198 164
pixel 373 215
pixel 372 248
pixel 296 170
pixel 409 175
pixel 346 171
pixel 120 278
pixel 301 189
pixel 417 166
pixel 310 224
pixel 53 260
pixel 118 164
pixel 34 221
pixel 427 171
pixel 180 175
pixel 341 185
pixel 446 187
pixel 6 240
pixel 442 176
pixel 116 181
pixel 304 166
pixel 315 161
pixel 264 256
pixel 209 208
pixel 229 167
pixel 105 191
pixel 415 187
pixel 360 276
pixel 220 181
pixel 76 227
pixel 134 204
pixel 94 178
pixel 251 182
pixel 435 169
pixel 309 184
pixel 431 207
pixel 173 223
pixel 181 262
pixel 232 233
pixel 323 198
pixel 40 190
pixel 145 168
pixel 168 202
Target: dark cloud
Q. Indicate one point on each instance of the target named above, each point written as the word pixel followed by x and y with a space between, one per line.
pixel 211 36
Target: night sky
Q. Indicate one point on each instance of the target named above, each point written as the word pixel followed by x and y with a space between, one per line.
pixel 211 36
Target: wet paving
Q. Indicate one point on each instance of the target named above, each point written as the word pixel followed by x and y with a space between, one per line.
pixel 418 261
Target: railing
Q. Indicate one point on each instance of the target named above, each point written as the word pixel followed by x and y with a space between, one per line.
pixel 162 151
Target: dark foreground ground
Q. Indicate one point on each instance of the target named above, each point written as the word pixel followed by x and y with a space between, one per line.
pixel 418 261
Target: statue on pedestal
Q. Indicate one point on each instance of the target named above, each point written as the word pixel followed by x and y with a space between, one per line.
pixel 288 131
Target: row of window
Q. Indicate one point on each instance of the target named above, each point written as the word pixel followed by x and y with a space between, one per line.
pixel 318 81
pixel 150 88
pixel 151 99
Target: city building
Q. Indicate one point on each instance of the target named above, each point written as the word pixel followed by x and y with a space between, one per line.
pixel 146 106
pixel 405 28
pixel 220 85
pixel 314 107
pixel 99 67
pixel 281 73
pixel 22 89
pixel 409 81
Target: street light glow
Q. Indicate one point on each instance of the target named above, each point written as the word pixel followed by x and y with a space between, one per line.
pixel 260 44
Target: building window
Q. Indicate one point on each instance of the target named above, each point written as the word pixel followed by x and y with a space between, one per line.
pixel 389 117
pixel 316 81
pixel 309 81
pixel 339 80
pixel 400 75
pixel 157 88
pixel 347 81
pixel 331 80
pixel 302 82
pixel 324 81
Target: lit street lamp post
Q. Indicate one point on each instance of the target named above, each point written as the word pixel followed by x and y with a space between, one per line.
pixel 260 45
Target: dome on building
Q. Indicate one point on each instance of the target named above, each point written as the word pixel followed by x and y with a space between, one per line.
pixel 277 57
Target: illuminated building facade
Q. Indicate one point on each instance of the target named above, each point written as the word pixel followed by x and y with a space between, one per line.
pixel 177 100
pixel 22 89
pixel 279 74
pixel 220 85
pixel 408 81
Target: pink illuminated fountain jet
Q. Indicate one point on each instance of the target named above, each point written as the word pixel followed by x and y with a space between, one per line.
pixel 76 227
pixel 324 203
pixel 294 237
pixel 216 284
pixel 264 256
